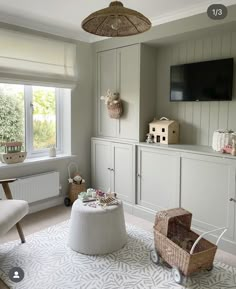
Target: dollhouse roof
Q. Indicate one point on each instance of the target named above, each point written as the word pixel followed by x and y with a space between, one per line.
pixel 162 122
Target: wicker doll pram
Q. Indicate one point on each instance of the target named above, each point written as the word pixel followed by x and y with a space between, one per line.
pixel 184 250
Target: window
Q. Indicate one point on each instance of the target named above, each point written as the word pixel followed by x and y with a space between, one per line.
pixel 31 114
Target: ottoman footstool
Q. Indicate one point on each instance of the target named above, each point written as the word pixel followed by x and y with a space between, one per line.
pixel 97 231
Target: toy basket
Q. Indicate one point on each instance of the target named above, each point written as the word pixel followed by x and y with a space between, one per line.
pixel 222 138
pixel 74 188
pixel 115 110
pixel 184 250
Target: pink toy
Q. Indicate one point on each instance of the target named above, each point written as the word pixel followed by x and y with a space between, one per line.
pixel 227 149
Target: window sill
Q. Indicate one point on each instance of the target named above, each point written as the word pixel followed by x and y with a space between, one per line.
pixel 37 160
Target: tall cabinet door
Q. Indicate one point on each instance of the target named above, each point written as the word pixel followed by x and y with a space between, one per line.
pixel 128 59
pixel 158 178
pixel 101 165
pixel 207 185
pixel 123 171
pixel 107 79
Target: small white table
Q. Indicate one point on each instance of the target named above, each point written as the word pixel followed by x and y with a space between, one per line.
pixel 97 231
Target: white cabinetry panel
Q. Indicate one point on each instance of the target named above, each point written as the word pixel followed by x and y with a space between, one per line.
pixel 101 163
pixel 129 86
pixel 130 71
pixel 207 184
pixel 113 167
pixel 123 174
pixel 158 179
pixel 106 80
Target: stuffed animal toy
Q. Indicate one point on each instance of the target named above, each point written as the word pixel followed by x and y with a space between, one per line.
pixel 111 98
pixel 78 180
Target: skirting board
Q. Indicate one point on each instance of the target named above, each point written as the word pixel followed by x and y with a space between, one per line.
pixel 149 215
pixel 45 204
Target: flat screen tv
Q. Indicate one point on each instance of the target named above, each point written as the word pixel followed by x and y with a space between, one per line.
pixel 202 81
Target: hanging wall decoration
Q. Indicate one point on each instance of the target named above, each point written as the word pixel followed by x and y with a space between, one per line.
pixel 113 103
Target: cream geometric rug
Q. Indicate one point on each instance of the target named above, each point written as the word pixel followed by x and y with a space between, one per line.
pixel 49 263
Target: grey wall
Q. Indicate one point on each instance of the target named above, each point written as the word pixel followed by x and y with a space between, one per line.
pixel 197 120
pixel 82 110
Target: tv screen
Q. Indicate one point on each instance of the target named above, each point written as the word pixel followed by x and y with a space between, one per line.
pixel 202 81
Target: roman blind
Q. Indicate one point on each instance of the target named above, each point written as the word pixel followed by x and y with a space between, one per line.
pixel 32 58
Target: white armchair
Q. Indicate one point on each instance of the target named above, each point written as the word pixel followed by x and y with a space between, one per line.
pixel 11 211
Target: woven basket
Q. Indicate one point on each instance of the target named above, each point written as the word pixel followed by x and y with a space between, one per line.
pixel 221 139
pixel 174 239
pixel 115 110
pixel 75 190
pixel 165 219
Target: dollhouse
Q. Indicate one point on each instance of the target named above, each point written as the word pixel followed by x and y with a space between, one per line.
pixel 164 131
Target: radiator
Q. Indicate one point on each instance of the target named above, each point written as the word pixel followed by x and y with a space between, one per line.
pixel 34 188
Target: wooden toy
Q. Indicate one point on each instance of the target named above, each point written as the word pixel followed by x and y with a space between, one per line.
pixel 164 131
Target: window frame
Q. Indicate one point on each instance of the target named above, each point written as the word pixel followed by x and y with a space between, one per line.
pixel 28 115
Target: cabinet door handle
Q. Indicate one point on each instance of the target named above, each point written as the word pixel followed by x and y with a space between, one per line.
pixel 112 170
pixel 232 200
pixel 109 169
pixel 138 175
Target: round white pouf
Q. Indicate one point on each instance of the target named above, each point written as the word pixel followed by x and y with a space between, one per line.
pixel 97 231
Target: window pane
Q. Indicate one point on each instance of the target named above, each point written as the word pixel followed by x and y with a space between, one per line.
pixel 44 117
pixel 12 115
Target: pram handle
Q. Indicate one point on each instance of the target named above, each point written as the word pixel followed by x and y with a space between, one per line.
pixel 206 233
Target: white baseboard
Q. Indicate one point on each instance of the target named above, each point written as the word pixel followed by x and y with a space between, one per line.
pixel 45 204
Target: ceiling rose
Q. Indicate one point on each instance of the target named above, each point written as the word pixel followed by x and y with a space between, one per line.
pixel 116 21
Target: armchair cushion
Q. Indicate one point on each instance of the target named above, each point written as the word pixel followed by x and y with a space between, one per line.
pixel 11 212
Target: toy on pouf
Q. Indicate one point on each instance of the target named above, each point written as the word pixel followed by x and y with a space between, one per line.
pixel 94 198
pixel 76 185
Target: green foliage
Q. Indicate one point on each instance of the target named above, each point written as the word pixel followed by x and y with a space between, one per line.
pixel 44 130
pixel 44 102
pixel 44 134
pixel 11 117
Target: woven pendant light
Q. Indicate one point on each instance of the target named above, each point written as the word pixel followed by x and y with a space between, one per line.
pixel 116 21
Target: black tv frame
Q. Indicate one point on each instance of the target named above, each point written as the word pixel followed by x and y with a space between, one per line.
pixel 209 100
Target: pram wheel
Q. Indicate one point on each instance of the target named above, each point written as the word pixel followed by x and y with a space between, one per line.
pixel 155 257
pixel 177 276
pixel 67 202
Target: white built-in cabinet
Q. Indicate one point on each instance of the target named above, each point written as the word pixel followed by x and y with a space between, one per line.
pixel 113 168
pixel 208 191
pixel 158 177
pixel 124 70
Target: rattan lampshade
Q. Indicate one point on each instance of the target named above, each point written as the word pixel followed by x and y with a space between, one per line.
pixel 116 21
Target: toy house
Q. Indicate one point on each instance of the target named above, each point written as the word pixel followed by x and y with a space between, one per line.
pixel 164 131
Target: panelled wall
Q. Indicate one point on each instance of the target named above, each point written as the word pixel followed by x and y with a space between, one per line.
pixel 198 120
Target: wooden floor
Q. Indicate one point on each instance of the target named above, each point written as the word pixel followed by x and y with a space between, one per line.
pixel 43 219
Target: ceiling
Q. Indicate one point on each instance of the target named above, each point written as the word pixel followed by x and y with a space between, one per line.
pixel 63 17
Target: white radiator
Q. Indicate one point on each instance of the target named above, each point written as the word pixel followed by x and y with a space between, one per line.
pixel 34 188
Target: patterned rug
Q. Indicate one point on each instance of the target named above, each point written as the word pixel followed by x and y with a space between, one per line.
pixel 49 263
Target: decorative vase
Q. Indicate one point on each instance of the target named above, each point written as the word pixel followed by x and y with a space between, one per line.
pixel 52 152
